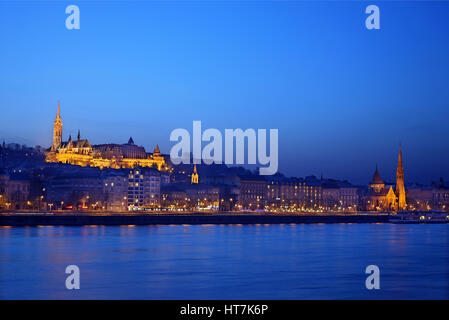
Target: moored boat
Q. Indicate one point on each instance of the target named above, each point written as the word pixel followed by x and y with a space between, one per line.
pixel 420 217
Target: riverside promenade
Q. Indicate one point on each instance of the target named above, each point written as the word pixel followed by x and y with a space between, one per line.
pixel 71 219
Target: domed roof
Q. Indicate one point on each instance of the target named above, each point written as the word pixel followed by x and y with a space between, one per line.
pixel 376 178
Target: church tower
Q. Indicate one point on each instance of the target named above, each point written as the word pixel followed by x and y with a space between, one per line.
pixel 400 188
pixel 376 184
pixel 57 131
pixel 194 178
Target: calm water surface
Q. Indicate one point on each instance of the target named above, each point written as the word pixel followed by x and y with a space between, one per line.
pixel 317 261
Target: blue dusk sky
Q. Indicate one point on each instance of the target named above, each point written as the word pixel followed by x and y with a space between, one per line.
pixel 343 97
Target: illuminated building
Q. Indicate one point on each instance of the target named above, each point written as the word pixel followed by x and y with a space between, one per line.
pixel 440 195
pixel 339 196
pixel 115 189
pixel 253 192
pixel 400 189
pixel 293 194
pixel 14 189
pixel 380 197
pixel 194 178
pixel 57 131
pixel 203 197
pixel 81 152
pixel 285 193
pixel 144 188
pixel 76 189
pixel 174 196
pixel 4 178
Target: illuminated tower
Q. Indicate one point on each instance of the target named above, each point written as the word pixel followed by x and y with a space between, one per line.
pixel 57 131
pixel 195 177
pixel 400 189
pixel 377 185
pixel 156 151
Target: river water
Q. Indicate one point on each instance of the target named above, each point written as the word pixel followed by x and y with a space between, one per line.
pixel 302 261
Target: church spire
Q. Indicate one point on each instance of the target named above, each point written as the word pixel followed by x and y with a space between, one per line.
pixel 58 114
pixel 377 184
pixel 57 131
pixel 194 178
pixel 376 177
pixel 79 135
pixel 400 188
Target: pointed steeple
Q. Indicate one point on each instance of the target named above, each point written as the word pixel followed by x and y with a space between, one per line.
pixel 130 141
pixel 79 135
pixel 400 188
pixel 58 113
pixel 400 169
pixel 156 150
pixel 376 177
pixel 57 131
pixel 70 142
pixel 195 177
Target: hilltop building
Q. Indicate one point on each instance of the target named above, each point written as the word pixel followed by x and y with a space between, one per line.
pixel 81 152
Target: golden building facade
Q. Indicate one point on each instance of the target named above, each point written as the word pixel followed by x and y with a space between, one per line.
pixel 116 156
pixel 400 188
pixel 194 179
pixel 381 198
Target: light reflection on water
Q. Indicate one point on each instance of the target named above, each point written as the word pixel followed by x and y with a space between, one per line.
pixel 289 261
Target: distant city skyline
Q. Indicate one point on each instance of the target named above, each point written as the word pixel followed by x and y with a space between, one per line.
pixel 342 97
